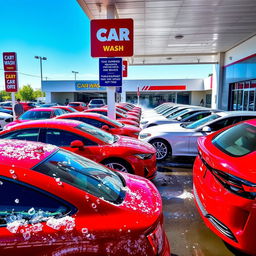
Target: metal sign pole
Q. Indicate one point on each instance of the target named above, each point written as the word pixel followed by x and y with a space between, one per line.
pixel 13 103
pixel 111 90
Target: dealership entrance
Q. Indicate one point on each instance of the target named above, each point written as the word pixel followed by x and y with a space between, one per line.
pixel 243 96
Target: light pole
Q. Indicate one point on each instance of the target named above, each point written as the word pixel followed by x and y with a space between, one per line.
pixel 41 70
pixel 75 72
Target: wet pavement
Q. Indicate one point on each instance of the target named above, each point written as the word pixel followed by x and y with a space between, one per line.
pixel 187 233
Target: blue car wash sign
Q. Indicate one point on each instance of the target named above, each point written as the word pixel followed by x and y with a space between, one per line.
pixel 110 71
pixel 88 86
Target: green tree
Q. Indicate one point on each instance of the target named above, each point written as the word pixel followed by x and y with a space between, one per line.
pixel 26 93
pixel 5 95
pixel 38 93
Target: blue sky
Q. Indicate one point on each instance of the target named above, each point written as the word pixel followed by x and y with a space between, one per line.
pixel 59 30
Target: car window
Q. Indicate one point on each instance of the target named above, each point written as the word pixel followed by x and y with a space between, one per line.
pixel 74 104
pixel 93 122
pixel 97 133
pixel 202 121
pixel 26 134
pixel 237 141
pixel 84 174
pixel 63 138
pixel 58 112
pixel 215 126
pixel 198 116
pixel 114 122
pixel 22 201
pixel 35 115
pixel 104 113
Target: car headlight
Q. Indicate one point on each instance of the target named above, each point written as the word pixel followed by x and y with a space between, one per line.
pixel 144 122
pixel 144 156
pixel 144 135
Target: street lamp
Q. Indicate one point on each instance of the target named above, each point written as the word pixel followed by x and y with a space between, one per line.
pixel 75 72
pixel 41 58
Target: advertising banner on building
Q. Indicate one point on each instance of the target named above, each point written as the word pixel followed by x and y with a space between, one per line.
pixel 88 86
pixel 11 81
pixel 10 61
pixel 112 38
pixel 110 71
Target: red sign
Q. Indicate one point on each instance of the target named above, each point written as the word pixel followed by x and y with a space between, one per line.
pixel 164 87
pixel 9 59
pixel 112 38
pixel 11 81
pixel 125 68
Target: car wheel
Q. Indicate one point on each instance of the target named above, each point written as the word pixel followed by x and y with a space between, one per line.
pixel 162 149
pixel 118 164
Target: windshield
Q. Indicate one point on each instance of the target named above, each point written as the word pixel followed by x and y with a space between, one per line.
pixel 35 115
pixel 121 114
pixel 237 141
pixel 170 111
pixel 98 133
pixel 74 104
pixel 84 174
pixel 114 122
pixel 178 113
pixel 96 102
pixel 201 121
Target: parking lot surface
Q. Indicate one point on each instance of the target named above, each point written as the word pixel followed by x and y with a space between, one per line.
pixel 187 233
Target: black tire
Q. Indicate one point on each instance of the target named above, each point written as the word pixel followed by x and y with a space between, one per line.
pixel 163 149
pixel 118 164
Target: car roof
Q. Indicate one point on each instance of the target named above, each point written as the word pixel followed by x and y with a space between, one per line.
pixel 21 153
pixel 236 113
pixel 77 102
pixel 42 109
pixel 251 121
pixel 83 114
pixel 46 123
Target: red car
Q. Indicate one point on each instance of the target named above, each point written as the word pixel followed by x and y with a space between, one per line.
pixel 66 109
pixel 129 108
pixel 26 105
pixel 55 202
pixel 103 122
pixel 225 184
pixel 37 114
pixel 79 106
pixel 119 116
pixel 125 112
pixel 117 152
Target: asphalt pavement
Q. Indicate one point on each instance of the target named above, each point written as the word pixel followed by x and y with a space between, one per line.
pixel 187 233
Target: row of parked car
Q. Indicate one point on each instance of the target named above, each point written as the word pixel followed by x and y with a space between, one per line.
pixel 58 202
pixel 224 172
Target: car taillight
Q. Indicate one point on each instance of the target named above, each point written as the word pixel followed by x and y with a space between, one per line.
pixel 233 183
pixel 236 185
pixel 155 238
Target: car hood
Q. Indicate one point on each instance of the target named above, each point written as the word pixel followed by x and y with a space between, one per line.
pixel 135 145
pixel 5 115
pixel 16 122
pixel 165 128
pixel 131 128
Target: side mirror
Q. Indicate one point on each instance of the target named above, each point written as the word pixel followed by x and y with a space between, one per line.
pixel 206 129
pixel 77 144
pixel 105 127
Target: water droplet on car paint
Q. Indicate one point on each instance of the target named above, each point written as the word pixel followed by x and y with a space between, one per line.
pixel 31 211
pixel 94 205
pixel 12 171
pixel 84 230
pixel 14 177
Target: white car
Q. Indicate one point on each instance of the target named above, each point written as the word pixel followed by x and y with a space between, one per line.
pixel 180 115
pixel 5 119
pixel 180 139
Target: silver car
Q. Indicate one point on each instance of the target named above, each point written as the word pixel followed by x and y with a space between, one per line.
pixel 182 115
pixel 180 139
